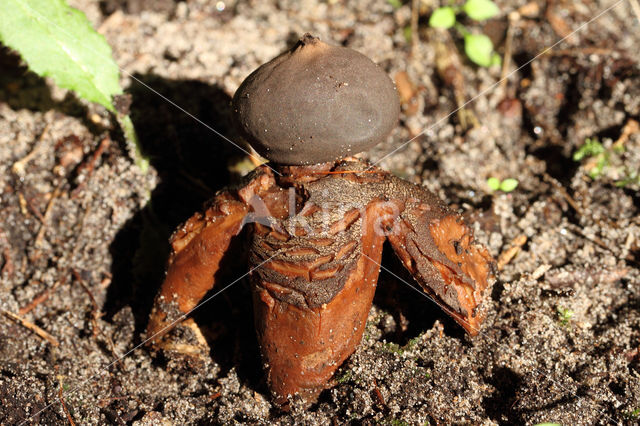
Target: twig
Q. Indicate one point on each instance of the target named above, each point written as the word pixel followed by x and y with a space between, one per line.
pixel 31 326
pixel 64 405
pixel 19 166
pixel 47 213
pixel 90 165
pixel 44 295
pixel 23 204
pixel 95 310
pixel 563 192
pixel 378 394
pixel 96 314
pixel 506 256
pixel 34 209
pixel 514 17
pixel 629 129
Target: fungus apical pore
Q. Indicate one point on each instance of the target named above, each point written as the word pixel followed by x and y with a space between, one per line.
pixel 315 103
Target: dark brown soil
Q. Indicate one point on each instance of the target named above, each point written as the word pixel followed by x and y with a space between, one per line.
pixel 83 232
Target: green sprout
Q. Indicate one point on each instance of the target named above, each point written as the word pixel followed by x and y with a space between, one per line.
pixel 564 315
pixel 594 149
pixel 393 348
pixel 395 422
pixel 506 185
pixel 478 47
pixel 345 377
pixel 601 160
pixel 633 414
pixel 591 147
pixel 632 177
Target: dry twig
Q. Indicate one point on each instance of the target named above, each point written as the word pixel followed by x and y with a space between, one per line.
pixel 506 256
pixel 44 295
pixel 19 166
pixel 64 405
pixel 47 214
pixel 96 314
pixel 563 192
pixel 90 164
pixel 31 326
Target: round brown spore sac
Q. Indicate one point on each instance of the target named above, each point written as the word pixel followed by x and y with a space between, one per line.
pixel 315 103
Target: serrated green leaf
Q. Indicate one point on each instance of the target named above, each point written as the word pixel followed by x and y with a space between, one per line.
pixel 442 17
pixel 480 10
pixel 508 185
pixel 478 48
pixel 58 41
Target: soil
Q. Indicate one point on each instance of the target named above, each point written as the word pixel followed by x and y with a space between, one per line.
pixel 83 235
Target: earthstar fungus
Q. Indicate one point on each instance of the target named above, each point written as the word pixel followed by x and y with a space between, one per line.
pixel 316 229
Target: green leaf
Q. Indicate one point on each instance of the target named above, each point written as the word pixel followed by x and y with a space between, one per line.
pixel 408 34
pixel 602 162
pixel 478 48
pixel 442 17
pixel 496 59
pixel 508 185
pixel 396 4
pixel 590 148
pixel 493 183
pixel 480 10
pixel 58 41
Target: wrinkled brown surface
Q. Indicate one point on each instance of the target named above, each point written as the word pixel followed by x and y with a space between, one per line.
pixel 316 268
pixel 302 347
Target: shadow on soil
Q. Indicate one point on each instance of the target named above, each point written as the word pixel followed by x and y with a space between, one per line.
pixel 192 164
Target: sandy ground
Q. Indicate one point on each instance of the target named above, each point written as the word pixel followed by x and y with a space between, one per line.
pixel 83 234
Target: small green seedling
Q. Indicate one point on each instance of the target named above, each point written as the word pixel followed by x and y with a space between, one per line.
pixel 57 41
pixel 593 148
pixel 393 348
pixel 633 414
pixel 345 377
pixel 607 160
pixel 506 185
pixel 478 47
pixel 564 315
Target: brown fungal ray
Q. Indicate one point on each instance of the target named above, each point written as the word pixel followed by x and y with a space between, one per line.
pixel 319 264
pixel 315 103
pixel 303 344
pixel 199 245
pixel 439 250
